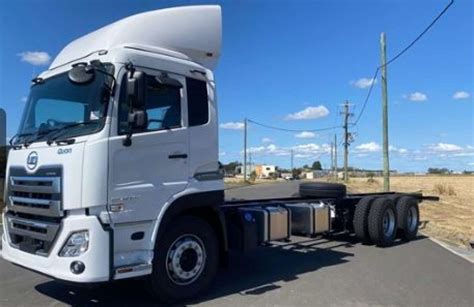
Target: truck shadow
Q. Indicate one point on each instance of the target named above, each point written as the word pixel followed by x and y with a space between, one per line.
pixel 253 273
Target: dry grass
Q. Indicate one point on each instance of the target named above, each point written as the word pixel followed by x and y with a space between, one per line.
pixel 451 219
pixel 444 189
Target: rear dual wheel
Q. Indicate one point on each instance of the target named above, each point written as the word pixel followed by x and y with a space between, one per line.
pixel 408 216
pixel 361 219
pixel 377 220
pixel 382 222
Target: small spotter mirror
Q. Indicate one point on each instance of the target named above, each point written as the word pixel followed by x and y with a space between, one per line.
pixel 80 74
pixel 164 79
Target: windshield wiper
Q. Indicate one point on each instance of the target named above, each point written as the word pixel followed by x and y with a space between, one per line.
pixel 62 130
pixel 36 136
pixel 16 137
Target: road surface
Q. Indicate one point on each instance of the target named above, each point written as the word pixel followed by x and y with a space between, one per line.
pixel 310 272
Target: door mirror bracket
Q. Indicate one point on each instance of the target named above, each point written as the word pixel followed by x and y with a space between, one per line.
pixel 136 97
pixel 137 119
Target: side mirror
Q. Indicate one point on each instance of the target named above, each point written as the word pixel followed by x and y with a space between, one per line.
pixel 136 89
pixel 138 119
pixel 79 74
pixel 164 79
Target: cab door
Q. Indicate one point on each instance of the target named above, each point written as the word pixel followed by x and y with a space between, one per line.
pixel 144 175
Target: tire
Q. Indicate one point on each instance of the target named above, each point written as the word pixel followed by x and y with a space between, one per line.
pixel 176 273
pixel 322 189
pixel 395 198
pixel 382 222
pixel 408 216
pixel 361 219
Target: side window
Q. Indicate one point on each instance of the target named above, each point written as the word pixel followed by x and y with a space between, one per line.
pixel 198 103
pixel 163 105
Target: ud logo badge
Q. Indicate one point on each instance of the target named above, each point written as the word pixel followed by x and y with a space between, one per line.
pixel 32 160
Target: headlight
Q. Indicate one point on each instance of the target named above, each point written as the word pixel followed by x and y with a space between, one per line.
pixel 76 245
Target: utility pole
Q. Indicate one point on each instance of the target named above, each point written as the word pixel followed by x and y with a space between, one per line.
pixel 245 150
pixel 335 157
pixel 291 162
pixel 332 156
pixel 386 166
pixel 346 115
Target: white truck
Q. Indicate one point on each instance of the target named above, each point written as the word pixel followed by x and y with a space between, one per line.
pixel 114 172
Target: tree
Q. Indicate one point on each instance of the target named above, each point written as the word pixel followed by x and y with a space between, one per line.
pixel 253 176
pixel 316 166
pixel 229 168
pixel 434 170
pixel 296 172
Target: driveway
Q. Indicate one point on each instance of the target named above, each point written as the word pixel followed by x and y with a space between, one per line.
pixel 311 272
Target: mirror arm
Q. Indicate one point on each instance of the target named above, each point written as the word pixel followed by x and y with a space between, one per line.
pixel 127 142
pixel 131 68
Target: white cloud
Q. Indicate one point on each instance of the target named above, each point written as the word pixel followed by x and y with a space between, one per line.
pixel 369 147
pixel 363 82
pixel 461 95
pixel 270 149
pixel 312 149
pixel 222 153
pixel 416 96
pixel 445 150
pixel 232 126
pixel 303 156
pixel 444 147
pixel 420 158
pixel 36 58
pixel 309 113
pixel 397 150
pixel 305 135
pixel 464 154
pixel 299 151
pixel 267 140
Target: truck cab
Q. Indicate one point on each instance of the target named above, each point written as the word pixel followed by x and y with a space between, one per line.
pixel 118 136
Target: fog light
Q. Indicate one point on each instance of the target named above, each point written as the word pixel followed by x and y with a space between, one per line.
pixel 77 267
pixel 76 244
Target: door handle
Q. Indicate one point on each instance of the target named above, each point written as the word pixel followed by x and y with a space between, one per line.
pixel 178 156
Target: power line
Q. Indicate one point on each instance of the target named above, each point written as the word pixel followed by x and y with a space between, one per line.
pixel 292 130
pixel 367 97
pixel 420 35
pixel 398 55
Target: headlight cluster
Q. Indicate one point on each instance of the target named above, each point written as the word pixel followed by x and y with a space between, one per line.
pixel 76 245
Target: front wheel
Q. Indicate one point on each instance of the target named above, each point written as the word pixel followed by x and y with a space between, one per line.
pixel 186 260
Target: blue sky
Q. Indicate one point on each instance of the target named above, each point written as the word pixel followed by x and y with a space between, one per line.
pixel 292 65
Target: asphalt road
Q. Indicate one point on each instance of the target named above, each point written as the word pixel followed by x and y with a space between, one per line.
pixel 311 272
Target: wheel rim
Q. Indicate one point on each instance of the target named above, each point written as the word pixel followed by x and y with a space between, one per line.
pixel 388 223
pixel 412 219
pixel 185 259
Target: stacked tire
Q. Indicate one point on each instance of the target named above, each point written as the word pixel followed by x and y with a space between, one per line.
pixel 378 220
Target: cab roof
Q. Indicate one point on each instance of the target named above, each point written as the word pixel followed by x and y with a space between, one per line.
pixel 188 32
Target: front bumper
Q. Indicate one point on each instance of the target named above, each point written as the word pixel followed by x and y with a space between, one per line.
pixel 96 259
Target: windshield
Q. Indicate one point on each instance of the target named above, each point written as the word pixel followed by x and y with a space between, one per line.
pixel 56 103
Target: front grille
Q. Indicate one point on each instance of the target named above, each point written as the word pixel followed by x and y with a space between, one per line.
pixel 34 209
pixel 35 195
